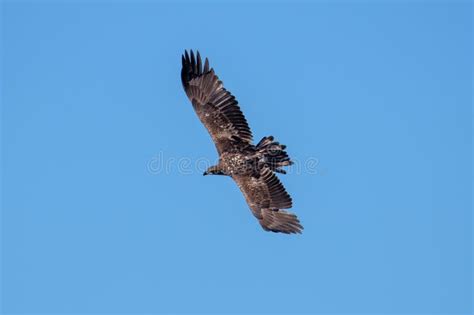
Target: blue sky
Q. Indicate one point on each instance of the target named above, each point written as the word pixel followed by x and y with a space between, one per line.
pixel 376 96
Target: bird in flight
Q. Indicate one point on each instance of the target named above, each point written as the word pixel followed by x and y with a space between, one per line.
pixel 252 167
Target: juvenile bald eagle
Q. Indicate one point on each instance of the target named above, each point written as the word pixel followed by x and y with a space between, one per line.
pixel 251 166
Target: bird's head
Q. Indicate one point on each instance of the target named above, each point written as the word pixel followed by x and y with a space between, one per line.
pixel 213 170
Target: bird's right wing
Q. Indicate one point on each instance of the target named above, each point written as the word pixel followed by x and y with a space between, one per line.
pixel 217 109
pixel 266 197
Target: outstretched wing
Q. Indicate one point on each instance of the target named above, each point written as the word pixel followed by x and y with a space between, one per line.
pixel 217 109
pixel 266 197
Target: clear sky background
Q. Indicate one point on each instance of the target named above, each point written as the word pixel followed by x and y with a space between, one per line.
pixel 376 96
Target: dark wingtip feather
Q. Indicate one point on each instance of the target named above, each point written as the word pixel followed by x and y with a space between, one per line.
pixel 187 56
pixel 192 66
pixel 288 223
pixel 199 62
pixel 206 66
pixel 193 62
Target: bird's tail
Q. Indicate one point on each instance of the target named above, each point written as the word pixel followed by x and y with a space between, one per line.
pixel 273 154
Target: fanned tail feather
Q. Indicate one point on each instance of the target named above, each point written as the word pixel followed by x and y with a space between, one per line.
pixel 273 154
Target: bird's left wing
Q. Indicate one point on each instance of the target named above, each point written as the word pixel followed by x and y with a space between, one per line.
pixel 216 107
pixel 266 197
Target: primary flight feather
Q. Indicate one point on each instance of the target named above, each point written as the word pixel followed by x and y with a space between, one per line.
pixel 252 167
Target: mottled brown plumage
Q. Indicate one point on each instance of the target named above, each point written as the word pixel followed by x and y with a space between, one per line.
pixel 251 166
